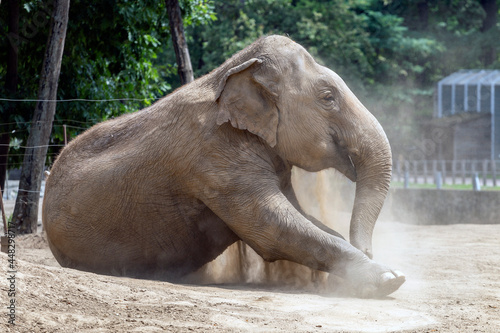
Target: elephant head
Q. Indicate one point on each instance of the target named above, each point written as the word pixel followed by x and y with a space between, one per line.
pixel 307 113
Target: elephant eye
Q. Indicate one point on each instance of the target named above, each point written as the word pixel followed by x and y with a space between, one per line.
pixel 327 98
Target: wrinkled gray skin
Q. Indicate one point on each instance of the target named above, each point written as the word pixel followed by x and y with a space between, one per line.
pixel 160 192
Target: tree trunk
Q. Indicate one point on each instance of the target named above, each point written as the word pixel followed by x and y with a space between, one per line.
pixel 4 158
pixel 491 9
pixel 185 69
pixel 25 216
pixel 489 53
pixel 423 14
pixel 11 81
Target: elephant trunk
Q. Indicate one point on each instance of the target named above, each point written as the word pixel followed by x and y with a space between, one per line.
pixel 373 163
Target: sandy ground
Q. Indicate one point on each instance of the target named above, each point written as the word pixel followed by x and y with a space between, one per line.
pixel 453 285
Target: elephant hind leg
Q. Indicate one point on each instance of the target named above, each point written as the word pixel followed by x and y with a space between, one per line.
pixel 62 259
pixel 197 240
pixel 215 237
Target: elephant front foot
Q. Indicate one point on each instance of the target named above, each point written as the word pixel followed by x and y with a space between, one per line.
pixel 385 284
pixel 371 280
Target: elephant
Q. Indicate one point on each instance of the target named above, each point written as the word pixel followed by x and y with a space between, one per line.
pixel 160 192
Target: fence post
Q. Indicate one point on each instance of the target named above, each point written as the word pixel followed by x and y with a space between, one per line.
pixel 425 171
pixel 4 240
pixel 476 186
pixel 463 171
pixel 434 169
pixel 453 171
pixel 472 170
pixel 438 180
pixel 443 170
pixel 6 187
pixel 494 172
pixel 65 136
pixel 485 171
pixel 406 169
pixel 407 179
pixel 415 170
pixel 5 227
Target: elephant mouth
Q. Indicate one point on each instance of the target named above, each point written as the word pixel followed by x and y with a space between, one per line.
pixel 344 162
pixel 347 168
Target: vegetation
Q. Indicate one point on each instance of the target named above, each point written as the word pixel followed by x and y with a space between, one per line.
pixel 397 184
pixel 390 52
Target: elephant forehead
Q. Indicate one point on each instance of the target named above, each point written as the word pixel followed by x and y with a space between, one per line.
pixel 298 69
pixel 328 78
pixel 299 59
pixel 298 62
pixel 287 52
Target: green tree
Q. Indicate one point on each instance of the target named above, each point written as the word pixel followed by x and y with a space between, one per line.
pixel 111 54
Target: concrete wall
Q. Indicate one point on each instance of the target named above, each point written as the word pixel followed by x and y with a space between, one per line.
pixel 430 206
pixel 321 194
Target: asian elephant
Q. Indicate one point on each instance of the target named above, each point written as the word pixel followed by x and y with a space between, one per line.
pixel 162 191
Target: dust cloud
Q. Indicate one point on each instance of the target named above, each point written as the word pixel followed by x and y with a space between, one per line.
pixel 326 195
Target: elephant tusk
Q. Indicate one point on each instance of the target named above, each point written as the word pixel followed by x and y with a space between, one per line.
pixel 352 163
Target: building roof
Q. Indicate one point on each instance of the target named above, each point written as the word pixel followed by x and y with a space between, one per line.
pixel 473 77
pixel 468 90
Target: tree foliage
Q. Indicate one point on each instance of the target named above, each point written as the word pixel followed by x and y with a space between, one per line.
pixel 111 54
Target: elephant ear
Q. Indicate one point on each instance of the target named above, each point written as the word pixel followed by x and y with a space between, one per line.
pixel 247 101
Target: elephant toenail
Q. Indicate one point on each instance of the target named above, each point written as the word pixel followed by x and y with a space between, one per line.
pixel 387 276
pixel 398 274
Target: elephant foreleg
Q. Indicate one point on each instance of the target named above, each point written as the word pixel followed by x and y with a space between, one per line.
pixel 268 222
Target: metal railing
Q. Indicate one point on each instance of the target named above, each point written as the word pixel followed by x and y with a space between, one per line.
pixel 454 172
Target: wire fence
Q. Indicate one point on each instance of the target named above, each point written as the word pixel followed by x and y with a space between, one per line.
pixel 22 127
pixel 11 190
pixel 79 100
pixel 11 187
pixel 16 149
